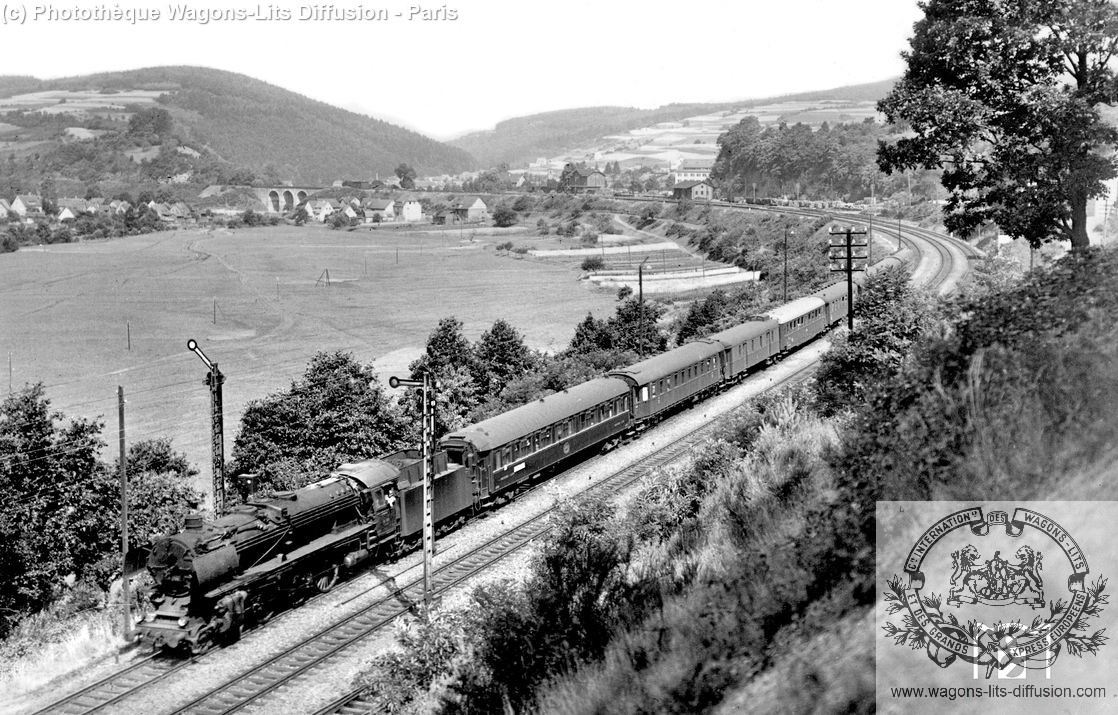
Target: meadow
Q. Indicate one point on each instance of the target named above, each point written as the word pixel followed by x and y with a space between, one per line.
pixel 84 318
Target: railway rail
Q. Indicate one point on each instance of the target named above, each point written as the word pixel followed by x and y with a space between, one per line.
pixel 939 258
pixel 301 660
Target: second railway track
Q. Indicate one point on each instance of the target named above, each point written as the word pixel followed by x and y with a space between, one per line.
pixel 253 686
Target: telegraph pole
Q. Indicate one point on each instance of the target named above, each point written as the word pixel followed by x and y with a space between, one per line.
pixel 427 454
pixel 640 303
pixel 847 255
pixel 213 380
pixel 127 631
pixel 786 262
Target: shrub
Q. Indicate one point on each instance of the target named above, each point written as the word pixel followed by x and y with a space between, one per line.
pixel 593 263
pixel 504 217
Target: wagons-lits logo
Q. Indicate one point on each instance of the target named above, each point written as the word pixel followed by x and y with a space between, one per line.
pixel 975 583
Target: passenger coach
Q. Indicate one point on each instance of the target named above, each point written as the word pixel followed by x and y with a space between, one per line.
pixel 512 447
pixel 745 346
pixel 664 381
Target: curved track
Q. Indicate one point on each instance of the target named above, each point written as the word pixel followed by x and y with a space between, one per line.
pixel 939 263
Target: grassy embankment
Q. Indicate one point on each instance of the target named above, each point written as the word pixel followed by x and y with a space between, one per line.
pixel 747 579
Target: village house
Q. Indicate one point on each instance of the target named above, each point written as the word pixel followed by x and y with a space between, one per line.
pixel 320 209
pixel 585 180
pixel 693 170
pixel 74 206
pixel 24 204
pixel 410 211
pixel 693 191
pixel 379 210
pixel 5 207
pixel 470 209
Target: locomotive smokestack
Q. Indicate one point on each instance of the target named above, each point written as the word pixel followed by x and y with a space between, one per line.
pixel 193 522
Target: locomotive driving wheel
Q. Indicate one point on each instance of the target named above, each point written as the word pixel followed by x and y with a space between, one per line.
pixel 325 580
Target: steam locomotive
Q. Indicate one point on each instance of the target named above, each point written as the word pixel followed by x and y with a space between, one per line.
pixel 215 576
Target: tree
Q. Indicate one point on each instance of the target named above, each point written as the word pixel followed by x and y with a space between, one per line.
pixel 449 359
pixel 406 175
pixel 60 513
pixel 301 215
pixel 337 412
pixel 1005 97
pixel 892 317
pixel 446 347
pixel 500 357
pixel 634 327
pixel 153 121
pixel 504 217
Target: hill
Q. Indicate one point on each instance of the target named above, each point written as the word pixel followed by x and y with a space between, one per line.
pixel 522 139
pixel 241 121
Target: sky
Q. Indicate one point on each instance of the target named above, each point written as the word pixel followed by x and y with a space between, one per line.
pixel 449 68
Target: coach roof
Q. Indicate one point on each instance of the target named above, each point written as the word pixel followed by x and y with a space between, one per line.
pixel 790 311
pixel 668 363
pixel 740 333
pixel 526 419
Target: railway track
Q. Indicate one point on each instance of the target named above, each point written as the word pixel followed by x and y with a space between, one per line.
pixel 254 685
pixel 109 690
pixel 943 264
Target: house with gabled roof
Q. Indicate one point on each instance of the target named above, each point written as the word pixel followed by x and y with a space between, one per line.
pixel 693 191
pixel 693 170
pixel 470 209
pixel 75 205
pixel 24 204
pixel 410 211
pixel 385 209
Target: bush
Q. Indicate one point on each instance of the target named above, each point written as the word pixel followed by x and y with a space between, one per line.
pixel 503 217
pixel 593 263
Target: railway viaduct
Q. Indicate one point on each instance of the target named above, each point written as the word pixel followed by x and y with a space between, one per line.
pixel 282 199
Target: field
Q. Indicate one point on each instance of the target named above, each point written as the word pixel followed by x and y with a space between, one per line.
pixel 84 318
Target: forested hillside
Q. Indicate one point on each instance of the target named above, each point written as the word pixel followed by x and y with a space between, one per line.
pixel 523 139
pixel 248 123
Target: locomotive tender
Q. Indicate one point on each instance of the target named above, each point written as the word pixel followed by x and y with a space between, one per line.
pixel 215 576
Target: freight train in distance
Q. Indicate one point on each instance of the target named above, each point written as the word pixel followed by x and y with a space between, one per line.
pixel 262 556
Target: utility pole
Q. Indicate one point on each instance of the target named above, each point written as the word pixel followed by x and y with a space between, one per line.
pixel 213 380
pixel 786 232
pixel 427 454
pixel 127 631
pixel 847 255
pixel 640 303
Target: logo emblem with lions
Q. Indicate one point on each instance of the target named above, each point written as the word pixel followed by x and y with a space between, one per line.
pixel 994 576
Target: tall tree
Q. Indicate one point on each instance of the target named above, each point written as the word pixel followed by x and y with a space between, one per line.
pixel 59 516
pixel 337 412
pixel 406 174
pixel 449 358
pixel 1004 95
pixel 501 357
